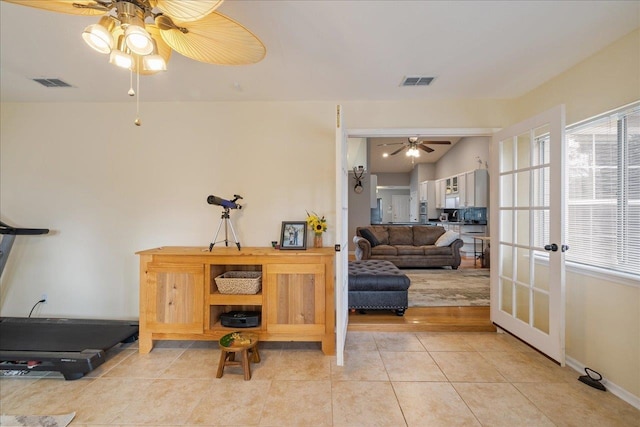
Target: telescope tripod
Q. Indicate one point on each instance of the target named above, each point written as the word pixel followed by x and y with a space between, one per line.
pixel 227 224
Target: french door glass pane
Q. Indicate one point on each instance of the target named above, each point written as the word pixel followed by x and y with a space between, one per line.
pixel 523 151
pixel 506 190
pixel 540 270
pixel 523 192
pixel 541 146
pixel 522 227
pixel 541 311
pixel 522 303
pixel 522 265
pixel 506 226
pixel 506 295
pixel 506 266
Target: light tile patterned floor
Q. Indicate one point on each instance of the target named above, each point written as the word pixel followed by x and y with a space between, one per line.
pixel 389 379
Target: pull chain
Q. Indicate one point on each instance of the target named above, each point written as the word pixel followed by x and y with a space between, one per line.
pixel 137 121
pixel 131 91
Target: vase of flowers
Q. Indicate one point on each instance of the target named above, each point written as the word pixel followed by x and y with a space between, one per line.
pixel 318 225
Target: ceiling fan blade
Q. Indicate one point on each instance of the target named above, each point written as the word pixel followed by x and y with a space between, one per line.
pixel 215 39
pixel 397 151
pixel 436 142
pixel 391 143
pixel 425 148
pixel 187 10
pixel 85 7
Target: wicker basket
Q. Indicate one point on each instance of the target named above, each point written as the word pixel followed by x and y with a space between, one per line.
pixel 239 282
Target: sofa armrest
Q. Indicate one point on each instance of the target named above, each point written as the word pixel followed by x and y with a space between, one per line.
pixel 455 246
pixel 363 248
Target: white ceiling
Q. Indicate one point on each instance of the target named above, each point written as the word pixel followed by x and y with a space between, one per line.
pixel 330 51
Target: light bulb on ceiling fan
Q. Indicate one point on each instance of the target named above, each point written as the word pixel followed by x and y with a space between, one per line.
pixel 98 36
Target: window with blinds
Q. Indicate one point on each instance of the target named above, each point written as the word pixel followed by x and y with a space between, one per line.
pixel 603 194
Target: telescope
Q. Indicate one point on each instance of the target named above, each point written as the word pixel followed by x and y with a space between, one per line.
pixel 227 204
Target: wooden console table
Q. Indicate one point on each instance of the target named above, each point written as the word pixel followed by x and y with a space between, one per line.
pixel 179 299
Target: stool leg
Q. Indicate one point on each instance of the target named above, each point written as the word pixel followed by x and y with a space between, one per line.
pixel 255 355
pixel 246 367
pixel 223 358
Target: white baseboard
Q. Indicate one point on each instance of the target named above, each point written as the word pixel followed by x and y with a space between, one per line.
pixel 616 390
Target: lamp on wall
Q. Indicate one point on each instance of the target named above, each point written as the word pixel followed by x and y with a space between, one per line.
pixel 358 173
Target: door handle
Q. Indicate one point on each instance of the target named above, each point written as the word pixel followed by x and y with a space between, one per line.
pixel 553 247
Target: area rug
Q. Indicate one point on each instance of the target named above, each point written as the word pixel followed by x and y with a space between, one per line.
pixel 36 420
pixel 448 288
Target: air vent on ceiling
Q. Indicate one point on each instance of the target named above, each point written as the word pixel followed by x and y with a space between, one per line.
pixel 52 82
pixel 417 81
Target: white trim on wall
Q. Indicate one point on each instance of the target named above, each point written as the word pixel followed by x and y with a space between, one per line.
pixel 429 132
pixel 615 389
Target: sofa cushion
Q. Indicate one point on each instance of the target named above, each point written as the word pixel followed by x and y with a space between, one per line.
pixel 426 235
pixel 447 238
pixel 384 250
pixel 400 236
pixel 368 234
pixel 436 250
pixel 381 233
pixel 409 250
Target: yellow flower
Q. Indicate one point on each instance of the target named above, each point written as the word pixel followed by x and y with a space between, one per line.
pixel 316 223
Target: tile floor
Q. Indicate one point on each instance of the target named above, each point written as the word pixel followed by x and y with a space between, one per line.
pixel 389 379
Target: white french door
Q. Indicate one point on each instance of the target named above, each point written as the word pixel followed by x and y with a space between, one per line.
pixel 342 235
pixel 527 232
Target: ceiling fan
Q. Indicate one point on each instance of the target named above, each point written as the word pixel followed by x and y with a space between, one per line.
pixel 413 144
pixel 141 34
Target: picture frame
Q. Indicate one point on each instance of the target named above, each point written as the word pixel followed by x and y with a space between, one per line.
pixel 293 235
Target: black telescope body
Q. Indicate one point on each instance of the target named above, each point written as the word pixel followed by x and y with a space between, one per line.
pixel 229 204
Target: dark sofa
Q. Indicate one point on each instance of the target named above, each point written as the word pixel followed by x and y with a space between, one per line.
pixel 407 245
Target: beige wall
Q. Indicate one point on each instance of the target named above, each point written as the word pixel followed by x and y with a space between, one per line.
pixel 605 81
pixel 107 188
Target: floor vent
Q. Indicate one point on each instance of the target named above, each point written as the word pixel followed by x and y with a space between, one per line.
pixel 417 81
pixel 52 82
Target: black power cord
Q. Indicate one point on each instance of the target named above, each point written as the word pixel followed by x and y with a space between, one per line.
pixel 35 305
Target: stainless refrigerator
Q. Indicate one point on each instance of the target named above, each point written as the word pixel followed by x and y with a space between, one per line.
pixel 376 213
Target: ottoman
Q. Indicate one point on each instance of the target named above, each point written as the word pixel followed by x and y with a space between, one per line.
pixel 378 284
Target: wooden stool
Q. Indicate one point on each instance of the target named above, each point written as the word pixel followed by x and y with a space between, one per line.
pixel 238 342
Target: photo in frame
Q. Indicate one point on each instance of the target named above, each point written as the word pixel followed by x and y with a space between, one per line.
pixel 294 235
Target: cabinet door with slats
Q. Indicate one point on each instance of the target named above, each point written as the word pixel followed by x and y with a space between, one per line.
pixel 175 298
pixel 296 299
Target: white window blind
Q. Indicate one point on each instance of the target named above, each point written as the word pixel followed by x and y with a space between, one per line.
pixel 603 195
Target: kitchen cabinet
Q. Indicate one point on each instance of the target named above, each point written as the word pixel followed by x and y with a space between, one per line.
pixel 474 192
pixel 451 186
pixel 423 191
pixel 441 193
pixel 428 195
pixel 179 298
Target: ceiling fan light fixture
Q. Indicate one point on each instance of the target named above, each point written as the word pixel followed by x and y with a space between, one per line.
pixel 138 40
pixel 98 36
pixel 119 56
pixel 413 152
pixel 154 63
pixel 121 59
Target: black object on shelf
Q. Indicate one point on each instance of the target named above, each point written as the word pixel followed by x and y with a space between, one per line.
pixel 240 319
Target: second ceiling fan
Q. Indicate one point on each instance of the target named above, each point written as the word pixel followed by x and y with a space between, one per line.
pixel 413 144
